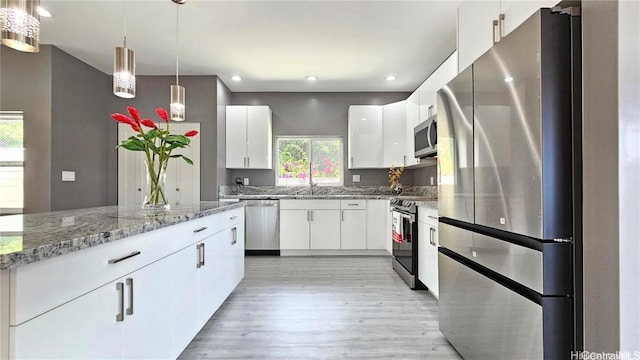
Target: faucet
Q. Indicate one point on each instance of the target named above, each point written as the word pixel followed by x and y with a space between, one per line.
pixel 239 184
pixel 311 183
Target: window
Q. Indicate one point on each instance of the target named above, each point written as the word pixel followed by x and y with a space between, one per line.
pixel 297 155
pixel 11 162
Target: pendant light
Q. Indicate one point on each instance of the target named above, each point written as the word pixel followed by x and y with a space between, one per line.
pixel 20 24
pixel 124 67
pixel 177 106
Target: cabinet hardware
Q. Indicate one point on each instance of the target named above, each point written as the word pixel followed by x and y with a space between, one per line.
pixel 495 25
pixel 177 189
pixel 501 26
pixel 311 212
pixel 248 162
pixel 120 290
pixel 308 218
pixel 342 215
pixel 432 217
pixel 139 189
pixel 352 161
pixel 233 217
pixel 200 229
pixel 234 239
pixel 405 160
pixel 115 261
pixel 198 262
pixel 352 204
pixel 130 286
pixel 203 252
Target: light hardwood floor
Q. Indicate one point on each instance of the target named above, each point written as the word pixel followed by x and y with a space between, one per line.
pixel 322 308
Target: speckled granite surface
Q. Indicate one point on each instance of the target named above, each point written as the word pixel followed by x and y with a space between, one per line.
pixel 25 239
pixel 430 204
pixel 325 192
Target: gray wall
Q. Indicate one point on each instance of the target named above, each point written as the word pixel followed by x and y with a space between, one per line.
pixel 600 243
pixel 223 95
pixel 316 114
pixel 25 85
pixel 79 133
pixel 422 176
pixel 154 91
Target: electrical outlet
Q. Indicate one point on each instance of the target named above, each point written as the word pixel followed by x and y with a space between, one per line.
pixel 68 176
pixel 356 178
pixel 246 181
pixel 431 181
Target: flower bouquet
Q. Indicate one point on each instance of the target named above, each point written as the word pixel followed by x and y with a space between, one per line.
pixel 394 179
pixel 157 144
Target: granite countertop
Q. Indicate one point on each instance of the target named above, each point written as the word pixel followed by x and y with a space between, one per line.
pixel 25 239
pixel 327 197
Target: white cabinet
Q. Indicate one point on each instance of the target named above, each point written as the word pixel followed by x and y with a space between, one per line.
pixel 186 289
pixel 428 90
pixel 324 228
pixel 248 137
pixel 378 238
pixel 481 23
pixel 428 249
pixel 294 229
pixel 413 119
pixel 394 133
pixel 353 225
pixel 183 180
pixel 365 136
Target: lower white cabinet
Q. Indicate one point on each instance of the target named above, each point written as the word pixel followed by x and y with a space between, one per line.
pixel 353 226
pixel 428 249
pixel 294 229
pixel 152 312
pixel 324 228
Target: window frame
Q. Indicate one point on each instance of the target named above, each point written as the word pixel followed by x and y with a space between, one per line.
pixel 14 116
pixel 310 138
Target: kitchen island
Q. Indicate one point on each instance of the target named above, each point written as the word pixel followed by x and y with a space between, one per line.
pixel 114 282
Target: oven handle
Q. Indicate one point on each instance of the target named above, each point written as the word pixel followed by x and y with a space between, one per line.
pixel 412 218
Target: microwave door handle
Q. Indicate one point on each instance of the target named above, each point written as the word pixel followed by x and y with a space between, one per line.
pixel 429 134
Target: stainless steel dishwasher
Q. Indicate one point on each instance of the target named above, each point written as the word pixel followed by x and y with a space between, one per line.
pixel 262 227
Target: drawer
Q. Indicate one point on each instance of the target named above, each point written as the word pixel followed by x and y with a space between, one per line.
pixel 41 286
pixel 310 204
pixel 429 216
pixel 353 204
pixel 207 226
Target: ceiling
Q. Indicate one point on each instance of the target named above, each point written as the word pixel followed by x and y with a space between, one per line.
pixel 272 45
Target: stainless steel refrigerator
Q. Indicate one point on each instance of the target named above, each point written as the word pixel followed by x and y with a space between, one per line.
pixel 507 170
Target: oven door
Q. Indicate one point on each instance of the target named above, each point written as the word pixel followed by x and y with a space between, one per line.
pixel 406 252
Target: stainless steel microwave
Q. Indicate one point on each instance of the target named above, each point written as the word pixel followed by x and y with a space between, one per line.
pixel 426 138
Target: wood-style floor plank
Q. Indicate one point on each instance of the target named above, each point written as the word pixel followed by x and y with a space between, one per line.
pixel 322 308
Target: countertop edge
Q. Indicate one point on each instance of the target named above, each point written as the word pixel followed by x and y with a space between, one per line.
pixel 48 251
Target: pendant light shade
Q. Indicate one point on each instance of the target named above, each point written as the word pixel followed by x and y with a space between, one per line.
pixel 177 105
pixel 20 24
pixel 124 66
pixel 176 108
pixel 124 73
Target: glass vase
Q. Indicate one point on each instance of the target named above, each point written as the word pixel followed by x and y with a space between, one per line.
pixel 155 198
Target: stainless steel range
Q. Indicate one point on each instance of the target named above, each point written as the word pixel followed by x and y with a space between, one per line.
pixel 405 239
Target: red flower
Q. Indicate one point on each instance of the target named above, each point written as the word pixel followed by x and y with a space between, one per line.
pixel 148 123
pixel 163 114
pixel 134 114
pixel 135 127
pixel 191 133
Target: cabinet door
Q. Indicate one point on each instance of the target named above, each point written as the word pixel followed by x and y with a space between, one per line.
pixel 213 274
pixel 183 179
pixel 131 172
pixel 365 136
pixel 294 229
pixel 377 235
pixel 146 329
pixel 259 137
pixel 232 251
pixel 413 119
pixel 432 263
pixel 517 11
pixel 186 298
pixel 475 30
pixel 236 136
pixel 423 249
pixel 325 229
pixel 353 229
pixel 84 328
pixel 441 77
pixel 394 130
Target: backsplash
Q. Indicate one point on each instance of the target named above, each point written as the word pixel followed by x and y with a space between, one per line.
pixel 427 191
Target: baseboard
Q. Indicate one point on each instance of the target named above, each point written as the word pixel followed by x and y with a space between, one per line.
pixel 262 252
pixel 383 253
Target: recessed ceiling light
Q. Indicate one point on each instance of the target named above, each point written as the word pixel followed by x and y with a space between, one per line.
pixel 236 78
pixel 391 77
pixel 364 119
pixel 44 12
pixel 508 79
pixel 312 78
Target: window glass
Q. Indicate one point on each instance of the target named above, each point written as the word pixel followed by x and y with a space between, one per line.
pixel 301 159
pixel 11 162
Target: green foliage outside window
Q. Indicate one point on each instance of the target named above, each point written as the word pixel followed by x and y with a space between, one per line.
pixel 297 155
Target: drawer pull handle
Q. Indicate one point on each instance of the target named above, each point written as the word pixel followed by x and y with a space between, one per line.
pixel 199 262
pixel 202 248
pixel 234 239
pixel 130 285
pixel 432 217
pixel 120 290
pixel 233 217
pixel 353 204
pixel 199 230
pixel 115 261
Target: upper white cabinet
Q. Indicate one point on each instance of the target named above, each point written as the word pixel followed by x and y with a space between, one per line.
pixel 394 125
pixel 183 180
pixel 248 137
pixel 428 91
pixel 482 23
pixel 413 119
pixel 365 136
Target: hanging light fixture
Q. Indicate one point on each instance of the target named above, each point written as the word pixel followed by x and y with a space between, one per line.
pixel 124 67
pixel 20 24
pixel 177 106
